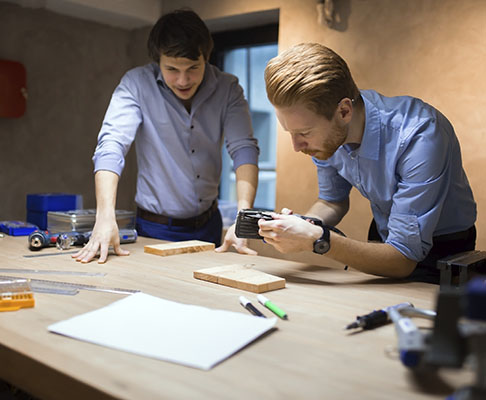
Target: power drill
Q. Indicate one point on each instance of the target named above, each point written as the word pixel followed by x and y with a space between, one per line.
pixel 64 240
pixel 39 239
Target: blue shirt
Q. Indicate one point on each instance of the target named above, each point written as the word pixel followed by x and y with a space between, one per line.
pixel 178 153
pixel 409 167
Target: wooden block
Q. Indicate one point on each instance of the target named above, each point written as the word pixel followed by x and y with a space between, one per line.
pixel 169 249
pixel 241 277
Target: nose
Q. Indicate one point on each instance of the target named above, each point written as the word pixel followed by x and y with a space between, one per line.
pixel 183 79
pixel 298 143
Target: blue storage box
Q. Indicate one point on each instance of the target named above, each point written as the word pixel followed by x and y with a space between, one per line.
pixel 17 228
pixel 38 218
pixel 39 204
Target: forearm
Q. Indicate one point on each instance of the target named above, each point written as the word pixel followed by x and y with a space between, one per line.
pixel 246 185
pixel 290 234
pixel 329 212
pixel 372 258
pixel 106 184
pixel 105 231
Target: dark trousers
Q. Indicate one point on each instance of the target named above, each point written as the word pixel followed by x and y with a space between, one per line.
pixel 443 246
pixel 209 232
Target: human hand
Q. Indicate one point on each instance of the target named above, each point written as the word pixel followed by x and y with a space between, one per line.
pixel 105 233
pixel 289 233
pixel 230 239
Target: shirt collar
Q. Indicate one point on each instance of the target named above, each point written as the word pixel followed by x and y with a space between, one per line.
pixel 370 143
pixel 158 76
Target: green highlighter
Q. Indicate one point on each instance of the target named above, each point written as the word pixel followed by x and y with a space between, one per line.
pixel 272 307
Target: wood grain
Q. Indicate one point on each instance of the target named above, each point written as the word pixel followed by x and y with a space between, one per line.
pixel 188 246
pixel 241 276
pixel 310 356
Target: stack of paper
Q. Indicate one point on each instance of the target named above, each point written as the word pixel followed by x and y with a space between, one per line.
pixel 150 326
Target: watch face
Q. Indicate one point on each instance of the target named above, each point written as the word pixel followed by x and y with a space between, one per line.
pixel 321 247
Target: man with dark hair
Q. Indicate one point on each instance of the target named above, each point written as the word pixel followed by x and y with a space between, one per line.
pixel 399 152
pixel 178 111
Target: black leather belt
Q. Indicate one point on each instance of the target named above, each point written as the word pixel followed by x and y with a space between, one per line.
pixel 194 222
pixel 448 237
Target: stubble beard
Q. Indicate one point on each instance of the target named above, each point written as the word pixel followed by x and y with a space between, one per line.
pixel 329 147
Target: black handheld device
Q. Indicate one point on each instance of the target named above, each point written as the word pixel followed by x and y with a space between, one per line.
pixel 247 222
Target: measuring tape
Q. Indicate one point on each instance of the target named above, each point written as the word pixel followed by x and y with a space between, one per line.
pixel 68 288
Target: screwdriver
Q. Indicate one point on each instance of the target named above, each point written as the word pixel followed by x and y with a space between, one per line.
pixel 376 318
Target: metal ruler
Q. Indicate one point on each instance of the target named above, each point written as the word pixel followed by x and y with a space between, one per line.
pixel 49 272
pixel 50 254
pixel 68 288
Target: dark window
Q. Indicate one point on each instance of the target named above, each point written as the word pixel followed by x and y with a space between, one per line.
pixel 245 53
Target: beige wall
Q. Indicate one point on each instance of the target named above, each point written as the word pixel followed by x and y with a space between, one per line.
pixel 432 49
pixel 72 69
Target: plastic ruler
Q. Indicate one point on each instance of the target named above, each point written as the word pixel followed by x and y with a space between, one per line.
pixel 68 288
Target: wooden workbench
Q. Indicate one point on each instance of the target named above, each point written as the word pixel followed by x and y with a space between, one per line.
pixel 310 356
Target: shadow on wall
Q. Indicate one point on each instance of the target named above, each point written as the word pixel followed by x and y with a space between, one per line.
pixel 340 14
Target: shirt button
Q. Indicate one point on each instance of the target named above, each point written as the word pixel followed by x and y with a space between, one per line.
pixel 192 126
pixel 197 176
pixel 192 151
pixel 200 200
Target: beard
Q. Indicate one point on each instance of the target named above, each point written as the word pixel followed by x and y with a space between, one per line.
pixel 335 139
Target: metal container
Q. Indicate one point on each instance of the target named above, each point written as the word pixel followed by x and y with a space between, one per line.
pixel 84 220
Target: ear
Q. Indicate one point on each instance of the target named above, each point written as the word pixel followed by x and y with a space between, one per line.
pixel 344 111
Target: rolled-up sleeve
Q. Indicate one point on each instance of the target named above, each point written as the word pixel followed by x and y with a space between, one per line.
pixel 409 166
pixel 240 143
pixel 424 177
pixel 122 119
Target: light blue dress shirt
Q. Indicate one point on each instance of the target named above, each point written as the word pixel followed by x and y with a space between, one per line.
pixel 409 167
pixel 178 153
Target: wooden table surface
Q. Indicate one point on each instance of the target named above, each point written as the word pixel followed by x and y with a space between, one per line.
pixel 310 356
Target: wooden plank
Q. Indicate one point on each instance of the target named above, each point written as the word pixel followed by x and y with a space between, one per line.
pixel 169 249
pixel 242 277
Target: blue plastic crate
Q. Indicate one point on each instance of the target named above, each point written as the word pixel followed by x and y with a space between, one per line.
pixel 39 204
pixel 17 228
pixel 54 202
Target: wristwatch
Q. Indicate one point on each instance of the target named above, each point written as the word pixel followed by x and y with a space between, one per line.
pixel 323 244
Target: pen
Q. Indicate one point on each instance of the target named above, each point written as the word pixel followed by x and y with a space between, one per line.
pixel 250 307
pixel 272 307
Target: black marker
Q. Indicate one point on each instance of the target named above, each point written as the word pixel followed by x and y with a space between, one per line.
pixel 250 307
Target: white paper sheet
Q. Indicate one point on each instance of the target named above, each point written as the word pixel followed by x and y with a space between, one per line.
pixel 153 327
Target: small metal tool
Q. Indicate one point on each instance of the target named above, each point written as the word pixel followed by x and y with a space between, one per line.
pixel 376 318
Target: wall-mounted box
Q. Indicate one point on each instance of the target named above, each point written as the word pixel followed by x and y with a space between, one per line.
pixel 13 89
